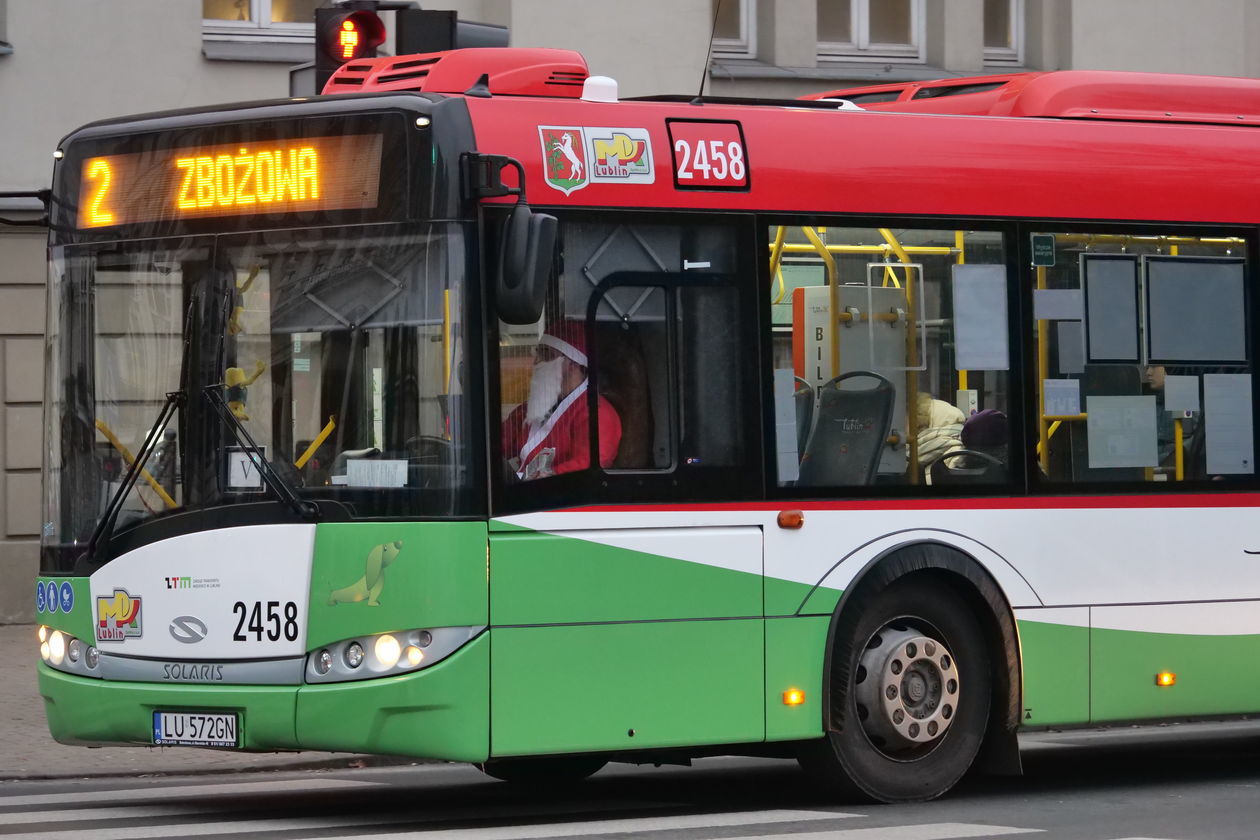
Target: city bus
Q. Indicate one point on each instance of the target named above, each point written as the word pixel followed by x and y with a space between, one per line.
pixel 471 412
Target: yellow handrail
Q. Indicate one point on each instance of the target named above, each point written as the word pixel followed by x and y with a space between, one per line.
pixel 960 259
pixel 833 284
pixel 776 261
pixel 131 459
pixel 315 444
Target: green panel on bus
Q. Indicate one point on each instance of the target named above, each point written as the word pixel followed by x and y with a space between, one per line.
pixel 438 712
pixel 1055 660
pixel 51 611
pixel 380 576
pixel 541 578
pixel 625 686
pixel 795 659
pixel 96 712
pixel 1216 675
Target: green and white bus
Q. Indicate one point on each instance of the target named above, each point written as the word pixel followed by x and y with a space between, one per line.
pixel 868 436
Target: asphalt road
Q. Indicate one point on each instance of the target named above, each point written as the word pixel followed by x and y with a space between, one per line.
pixel 1182 784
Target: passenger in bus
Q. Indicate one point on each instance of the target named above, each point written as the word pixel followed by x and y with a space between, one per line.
pixel 987 432
pixel 549 433
pixel 940 426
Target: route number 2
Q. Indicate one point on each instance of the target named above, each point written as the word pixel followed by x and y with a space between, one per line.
pixel 708 155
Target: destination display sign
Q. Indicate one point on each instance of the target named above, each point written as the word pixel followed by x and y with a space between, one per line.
pixel 310 174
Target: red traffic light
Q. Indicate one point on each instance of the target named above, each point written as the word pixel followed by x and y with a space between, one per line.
pixel 345 36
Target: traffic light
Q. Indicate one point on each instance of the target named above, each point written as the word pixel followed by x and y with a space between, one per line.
pixel 342 36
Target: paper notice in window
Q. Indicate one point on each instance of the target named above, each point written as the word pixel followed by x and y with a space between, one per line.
pixel 980 323
pixel 1071 347
pixel 363 472
pixel 1181 394
pixel 1063 397
pixel 1121 432
pixel 1227 419
pixel 1058 304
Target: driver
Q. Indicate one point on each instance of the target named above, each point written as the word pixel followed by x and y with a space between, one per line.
pixel 549 433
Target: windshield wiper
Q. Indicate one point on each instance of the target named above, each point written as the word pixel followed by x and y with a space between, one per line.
pixel 174 401
pixel 282 488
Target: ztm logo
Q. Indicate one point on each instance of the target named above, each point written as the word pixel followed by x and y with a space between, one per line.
pixel 178 582
pixel 118 617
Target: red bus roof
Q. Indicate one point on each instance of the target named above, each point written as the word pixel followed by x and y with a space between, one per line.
pixel 1063 145
pixel 1074 94
pixel 889 163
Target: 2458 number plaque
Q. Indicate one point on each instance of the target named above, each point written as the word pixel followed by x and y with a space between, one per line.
pixel 708 155
pixel 280 621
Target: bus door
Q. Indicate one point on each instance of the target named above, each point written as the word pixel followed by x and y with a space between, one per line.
pixel 628 626
pixel 1145 353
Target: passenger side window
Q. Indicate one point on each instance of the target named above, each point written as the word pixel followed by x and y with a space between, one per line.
pixel 890 357
pixel 1143 357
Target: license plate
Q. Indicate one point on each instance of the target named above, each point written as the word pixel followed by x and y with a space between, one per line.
pixel 196 729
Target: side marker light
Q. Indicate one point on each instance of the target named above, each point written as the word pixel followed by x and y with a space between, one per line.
pixel 1165 678
pixel 793 697
pixel 791 519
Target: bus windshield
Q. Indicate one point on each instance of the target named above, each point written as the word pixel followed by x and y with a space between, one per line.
pixel 336 351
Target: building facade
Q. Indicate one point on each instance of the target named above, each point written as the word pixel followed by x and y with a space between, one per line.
pixel 64 63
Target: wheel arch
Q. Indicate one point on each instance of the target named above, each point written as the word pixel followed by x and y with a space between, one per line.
pixel 968 578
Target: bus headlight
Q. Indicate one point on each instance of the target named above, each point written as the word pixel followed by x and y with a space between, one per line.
pixel 64 652
pixel 387 651
pixel 395 653
pixel 56 647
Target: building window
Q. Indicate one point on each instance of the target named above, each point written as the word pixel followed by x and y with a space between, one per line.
pixel 734 29
pixel 870 30
pixel 273 20
pixel 1003 31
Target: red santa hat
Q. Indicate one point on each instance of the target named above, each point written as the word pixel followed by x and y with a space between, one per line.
pixel 572 345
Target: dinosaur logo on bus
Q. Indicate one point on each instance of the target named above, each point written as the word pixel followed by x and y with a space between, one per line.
pixel 118 617
pixel 368 588
pixel 576 156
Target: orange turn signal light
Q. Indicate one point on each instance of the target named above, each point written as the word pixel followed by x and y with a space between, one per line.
pixel 791 519
pixel 793 697
pixel 1165 678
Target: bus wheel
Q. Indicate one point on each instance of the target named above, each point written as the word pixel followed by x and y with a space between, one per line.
pixel 912 677
pixel 545 770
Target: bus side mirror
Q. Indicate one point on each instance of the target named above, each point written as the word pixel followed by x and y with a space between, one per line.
pixel 525 263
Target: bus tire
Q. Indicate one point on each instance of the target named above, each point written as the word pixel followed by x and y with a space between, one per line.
pixel 911 675
pixel 543 770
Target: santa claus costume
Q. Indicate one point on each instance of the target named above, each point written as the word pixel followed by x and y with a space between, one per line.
pixel 545 436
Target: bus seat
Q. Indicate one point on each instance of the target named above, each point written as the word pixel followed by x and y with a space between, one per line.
pixel 968 466
pixel 849 433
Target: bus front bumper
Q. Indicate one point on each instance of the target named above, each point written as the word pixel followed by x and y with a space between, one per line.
pixel 442 712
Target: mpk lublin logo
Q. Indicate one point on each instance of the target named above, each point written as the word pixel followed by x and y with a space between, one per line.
pixel 118 617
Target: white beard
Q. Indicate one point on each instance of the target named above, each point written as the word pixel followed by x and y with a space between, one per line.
pixel 544 390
